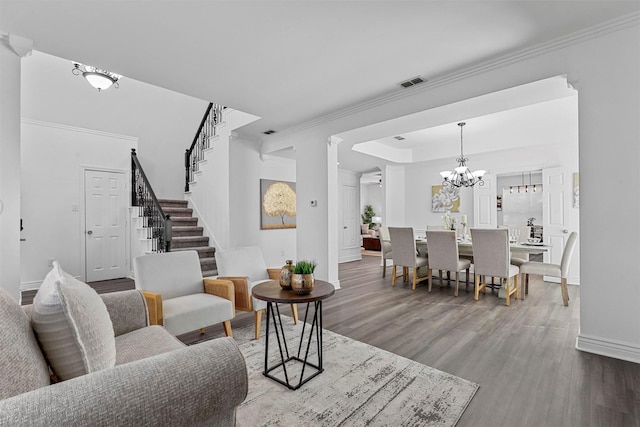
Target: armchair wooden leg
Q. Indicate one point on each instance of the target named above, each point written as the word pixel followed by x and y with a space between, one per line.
pixel 294 310
pixel 258 322
pixel 227 328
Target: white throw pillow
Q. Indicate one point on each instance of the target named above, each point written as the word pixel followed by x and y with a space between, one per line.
pixel 73 326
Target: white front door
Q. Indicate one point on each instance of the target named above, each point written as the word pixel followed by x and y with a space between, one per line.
pixel 105 224
pixel 557 195
pixel 485 209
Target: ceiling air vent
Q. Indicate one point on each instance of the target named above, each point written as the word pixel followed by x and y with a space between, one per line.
pixel 269 132
pixel 412 82
pixel 400 138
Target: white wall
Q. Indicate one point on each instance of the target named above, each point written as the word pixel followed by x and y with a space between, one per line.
pixel 246 170
pixel 10 64
pixel 53 158
pixel 164 122
pixel 420 178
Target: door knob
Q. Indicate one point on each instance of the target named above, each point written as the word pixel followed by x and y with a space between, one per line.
pixel 565 231
pixel 345 227
pixel 90 232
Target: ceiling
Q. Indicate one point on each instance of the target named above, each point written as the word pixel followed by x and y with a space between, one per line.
pixel 293 61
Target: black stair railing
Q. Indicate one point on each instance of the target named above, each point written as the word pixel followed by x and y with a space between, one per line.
pixel 157 224
pixel 195 153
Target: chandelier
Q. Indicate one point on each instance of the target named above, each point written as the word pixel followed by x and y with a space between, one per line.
pixel 99 79
pixel 462 176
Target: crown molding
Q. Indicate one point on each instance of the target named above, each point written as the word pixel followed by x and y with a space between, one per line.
pixel 568 40
pixel 78 129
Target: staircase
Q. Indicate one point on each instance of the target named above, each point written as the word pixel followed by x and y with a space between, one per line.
pixel 187 235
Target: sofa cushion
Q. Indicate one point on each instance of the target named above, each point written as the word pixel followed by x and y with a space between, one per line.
pixel 145 342
pixel 73 327
pixel 22 366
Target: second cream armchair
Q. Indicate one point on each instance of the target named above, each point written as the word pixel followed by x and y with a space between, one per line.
pixel 246 268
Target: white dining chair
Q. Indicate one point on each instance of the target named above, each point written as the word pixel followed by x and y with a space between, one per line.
pixel 491 257
pixel 443 255
pixel 404 254
pixel 385 248
pixel 555 270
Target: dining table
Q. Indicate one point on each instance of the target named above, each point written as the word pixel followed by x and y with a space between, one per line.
pixel 466 246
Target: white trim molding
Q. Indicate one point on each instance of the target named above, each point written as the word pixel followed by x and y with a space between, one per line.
pixel 610 348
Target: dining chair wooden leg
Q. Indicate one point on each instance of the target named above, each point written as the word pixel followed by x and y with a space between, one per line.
pixel 405 271
pixel 440 279
pixel 429 279
pixel 384 267
pixel 516 278
pixel 565 291
pixel 415 276
pixel 455 293
pixel 467 280
pixel 476 289
pixel 526 284
pixel 506 285
pixel 393 273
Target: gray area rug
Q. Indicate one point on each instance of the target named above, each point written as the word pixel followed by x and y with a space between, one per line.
pixel 361 385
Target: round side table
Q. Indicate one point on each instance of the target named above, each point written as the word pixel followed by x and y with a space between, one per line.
pixel 273 294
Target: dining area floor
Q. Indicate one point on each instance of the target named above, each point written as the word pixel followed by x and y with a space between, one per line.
pixel 522 356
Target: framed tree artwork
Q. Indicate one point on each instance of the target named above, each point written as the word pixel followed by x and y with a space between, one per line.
pixel 277 204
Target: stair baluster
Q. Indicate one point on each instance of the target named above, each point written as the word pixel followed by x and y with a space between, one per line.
pixel 207 129
pixel 157 224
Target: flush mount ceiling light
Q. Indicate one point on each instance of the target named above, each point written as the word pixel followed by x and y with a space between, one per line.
pixel 100 79
pixel 462 176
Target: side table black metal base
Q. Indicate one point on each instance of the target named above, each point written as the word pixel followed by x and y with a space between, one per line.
pixel 285 358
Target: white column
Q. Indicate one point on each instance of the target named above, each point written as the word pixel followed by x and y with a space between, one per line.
pixel 317 205
pixel 11 49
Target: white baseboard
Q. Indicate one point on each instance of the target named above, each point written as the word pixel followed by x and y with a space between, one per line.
pixel 349 258
pixel 610 348
pixel 336 284
pixel 30 286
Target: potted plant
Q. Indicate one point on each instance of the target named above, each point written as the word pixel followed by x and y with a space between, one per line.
pixel 302 280
pixel 368 215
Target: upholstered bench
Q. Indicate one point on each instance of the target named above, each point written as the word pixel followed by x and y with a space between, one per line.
pixel 108 365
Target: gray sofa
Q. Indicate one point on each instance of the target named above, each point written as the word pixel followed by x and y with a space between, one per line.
pixel 156 380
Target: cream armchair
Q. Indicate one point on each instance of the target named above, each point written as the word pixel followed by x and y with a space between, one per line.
pixel 246 268
pixel 177 295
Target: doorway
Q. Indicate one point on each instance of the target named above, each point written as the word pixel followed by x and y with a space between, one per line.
pixel 105 209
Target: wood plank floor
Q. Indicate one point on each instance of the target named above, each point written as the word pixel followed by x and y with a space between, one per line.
pixel 523 356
